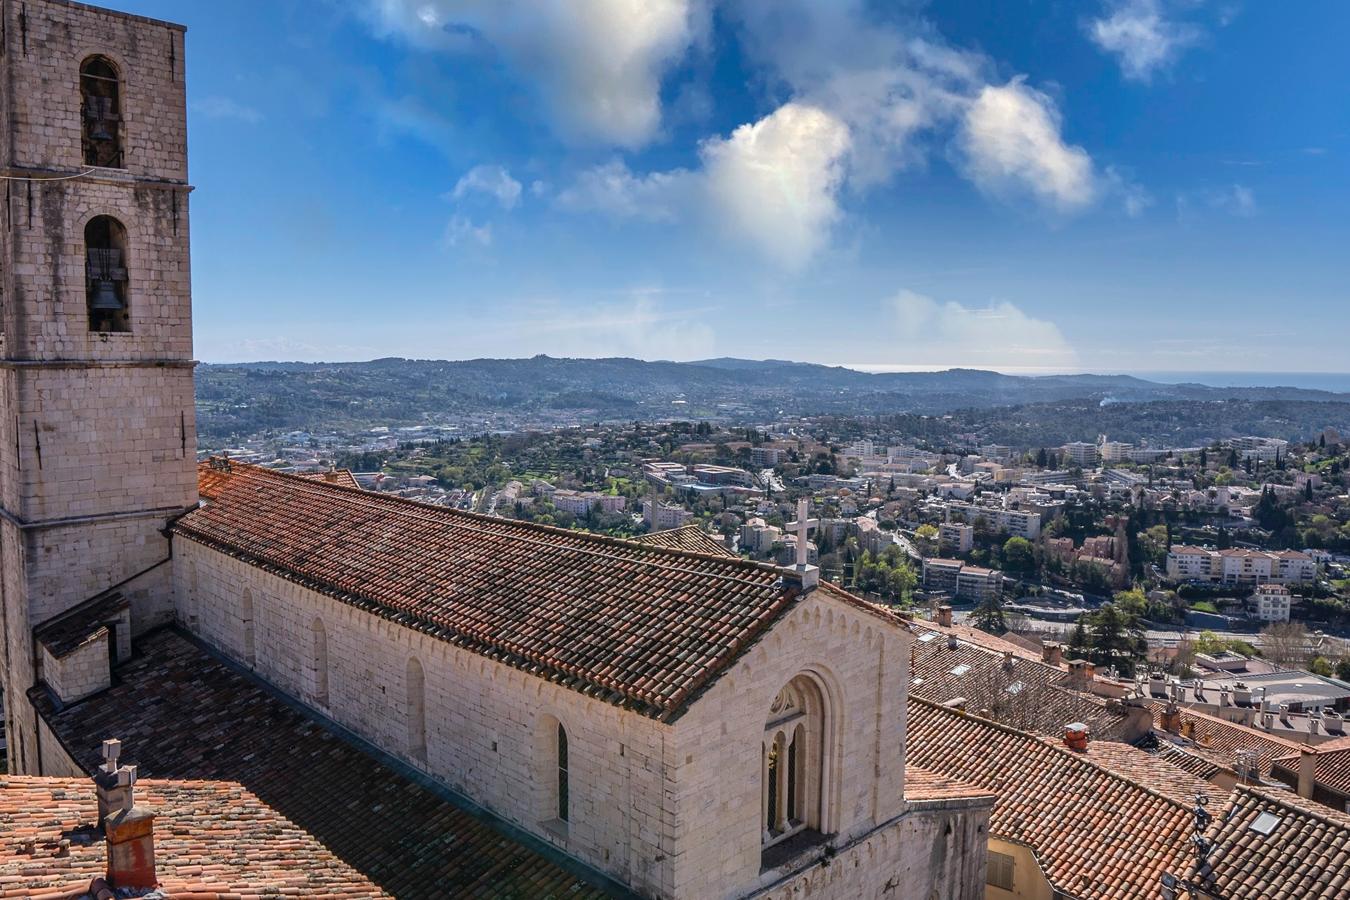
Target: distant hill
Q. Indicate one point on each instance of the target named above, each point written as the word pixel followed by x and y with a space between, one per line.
pixel 246 398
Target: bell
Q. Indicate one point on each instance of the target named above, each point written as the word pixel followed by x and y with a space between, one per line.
pixel 100 131
pixel 105 297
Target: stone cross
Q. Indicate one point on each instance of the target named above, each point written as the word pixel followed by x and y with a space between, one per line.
pixel 802 526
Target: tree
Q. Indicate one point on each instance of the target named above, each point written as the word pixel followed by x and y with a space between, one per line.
pixel 1286 643
pixel 1078 639
pixel 1116 638
pixel 1321 666
pixel 1308 490
pixel 988 616
pixel 1343 667
pixel 1019 555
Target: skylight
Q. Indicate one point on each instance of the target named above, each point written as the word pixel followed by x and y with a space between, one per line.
pixel 1265 824
pixel 1015 688
pixel 927 636
pixel 961 669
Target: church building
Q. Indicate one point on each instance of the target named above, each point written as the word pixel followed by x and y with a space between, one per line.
pixel 676 722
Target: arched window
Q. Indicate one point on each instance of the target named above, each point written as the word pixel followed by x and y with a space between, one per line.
pixel 246 624
pixel 564 797
pixel 794 768
pixel 190 601
pixel 101 110
pixel 320 661
pixel 107 288
pixel 417 710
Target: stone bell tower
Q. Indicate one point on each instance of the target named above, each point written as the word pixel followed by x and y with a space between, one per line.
pixel 97 435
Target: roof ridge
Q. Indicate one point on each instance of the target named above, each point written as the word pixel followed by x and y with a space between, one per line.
pixel 1280 798
pixel 368 497
pixel 1050 744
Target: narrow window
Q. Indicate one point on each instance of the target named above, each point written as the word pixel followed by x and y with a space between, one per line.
pixel 106 284
pixel 320 662
pixel 246 623
pixel 417 710
pixel 101 102
pixel 563 797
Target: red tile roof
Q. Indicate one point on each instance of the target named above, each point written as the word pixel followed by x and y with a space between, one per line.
pixel 342 477
pixel 1222 740
pixel 213 839
pixel 1305 856
pixel 1332 766
pixel 642 627
pixel 686 537
pixel 181 713
pixel 923 785
pixel 1099 835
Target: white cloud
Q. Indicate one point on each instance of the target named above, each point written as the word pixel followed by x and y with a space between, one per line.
pixel 775 182
pixel 1143 37
pixel 1010 144
pixel 225 108
pixel 598 64
pixel 999 335
pixel 492 180
pixel 613 189
pixel 461 230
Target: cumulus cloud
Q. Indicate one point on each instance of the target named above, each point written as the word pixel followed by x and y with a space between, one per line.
pixel 493 180
pixel 613 189
pixel 772 184
pixel 999 335
pixel 1142 36
pixel 1010 144
pixel 775 182
pixel 597 64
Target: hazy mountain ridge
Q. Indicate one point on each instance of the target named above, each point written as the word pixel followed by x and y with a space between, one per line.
pixel 247 397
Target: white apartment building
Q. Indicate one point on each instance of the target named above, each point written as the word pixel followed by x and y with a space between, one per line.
pixel 1259 448
pixel 766 457
pixel 1270 603
pixel 580 503
pixel 661 517
pixel 956 537
pixel 1015 522
pixel 1239 567
pixel 1081 454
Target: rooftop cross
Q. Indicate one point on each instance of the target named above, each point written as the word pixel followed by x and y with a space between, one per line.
pixel 803 525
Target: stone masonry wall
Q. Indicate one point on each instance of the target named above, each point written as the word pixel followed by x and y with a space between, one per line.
pixel 926 854
pixel 863 661
pixel 79 673
pixel 488 726
pixel 48 40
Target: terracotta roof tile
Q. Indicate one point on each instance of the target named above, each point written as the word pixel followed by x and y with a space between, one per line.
pixel 1305 856
pixel 1221 740
pixel 65 632
pixel 1098 835
pixel 1332 765
pixel 644 627
pixel 686 537
pixel 340 477
pixel 924 785
pixel 211 838
pixel 183 714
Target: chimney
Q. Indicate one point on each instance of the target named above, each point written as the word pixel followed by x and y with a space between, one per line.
pixel 944 616
pixel 1052 654
pixel 1008 662
pixel 1171 718
pixel 1307 772
pixel 129 828
pixel 1076 736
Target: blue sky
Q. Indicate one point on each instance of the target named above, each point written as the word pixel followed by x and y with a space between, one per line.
pixel 1026 185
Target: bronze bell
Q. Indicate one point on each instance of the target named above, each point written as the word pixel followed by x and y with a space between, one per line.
pixel 105 297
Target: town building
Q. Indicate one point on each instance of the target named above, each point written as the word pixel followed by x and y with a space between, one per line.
pixel 666 723
pixel 1081 454
pixel 1270 603
pixel 1240 567
pixel 1267 450
pixel 660 516
pixel 956 537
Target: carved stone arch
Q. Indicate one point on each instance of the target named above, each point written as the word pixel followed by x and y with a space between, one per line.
pixel 415 711
pixel 248 633
pixel 554 759
pixel 802 757
pixel 319 660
